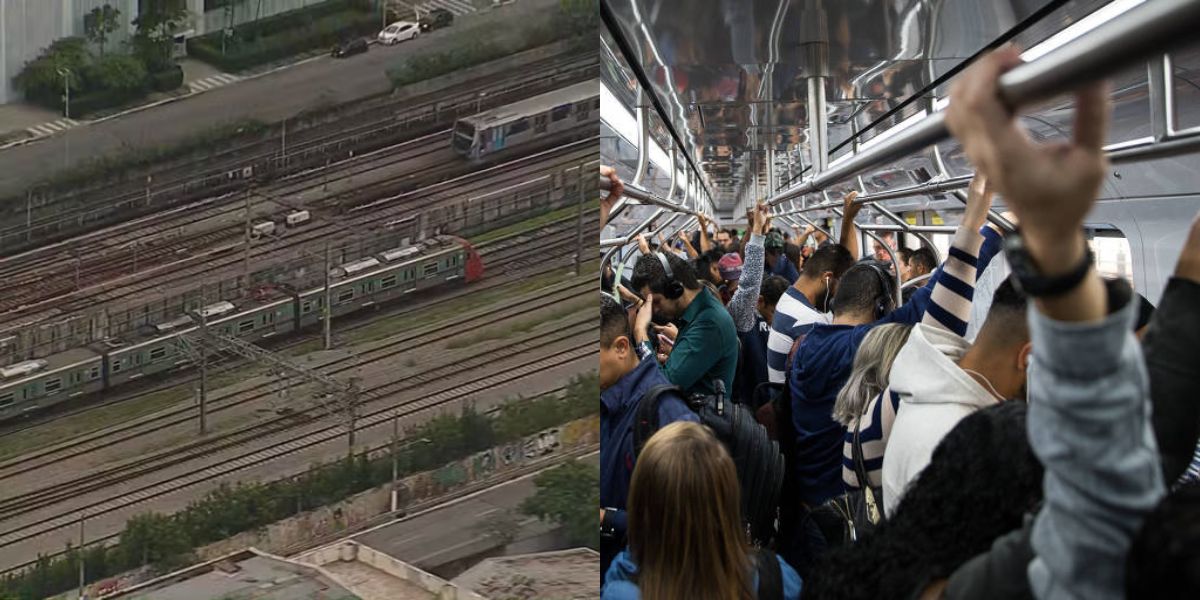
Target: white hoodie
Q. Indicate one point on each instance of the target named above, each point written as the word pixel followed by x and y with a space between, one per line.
pixel 935 394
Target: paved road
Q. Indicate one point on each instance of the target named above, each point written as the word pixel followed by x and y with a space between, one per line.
pixel 459 529
pixel 270 98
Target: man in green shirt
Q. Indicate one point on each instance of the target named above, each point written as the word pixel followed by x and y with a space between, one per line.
pixel 698 337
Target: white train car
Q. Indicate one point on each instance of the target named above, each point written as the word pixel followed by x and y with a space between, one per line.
pixel 521 122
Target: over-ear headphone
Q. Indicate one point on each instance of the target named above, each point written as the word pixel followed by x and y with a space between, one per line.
pixel 673 288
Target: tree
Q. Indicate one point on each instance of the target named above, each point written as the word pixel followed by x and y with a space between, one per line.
pixel 117 72
pixel 569 496
pixel 99 23
pixel 154 539
pixel 156 26
pixel 40 78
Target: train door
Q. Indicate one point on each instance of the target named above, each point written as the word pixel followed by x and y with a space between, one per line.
pixel 539 124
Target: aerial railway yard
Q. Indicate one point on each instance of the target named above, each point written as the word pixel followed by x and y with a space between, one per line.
pixel 391 194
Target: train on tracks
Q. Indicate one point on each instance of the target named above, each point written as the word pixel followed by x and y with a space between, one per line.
pixel 37 384
pixel 528 120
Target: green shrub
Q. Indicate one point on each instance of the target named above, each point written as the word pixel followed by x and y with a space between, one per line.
pixel 104 99
pixel 116 72
pixel 165 81
pixel 39 79
pixel 285 35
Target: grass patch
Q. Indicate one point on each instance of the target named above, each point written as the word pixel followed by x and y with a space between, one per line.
pixel 531 224
pixel 507 331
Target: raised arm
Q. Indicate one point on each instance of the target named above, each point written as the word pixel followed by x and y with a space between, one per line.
pixel 614 193
pixel 849 234
pixel 1088 418
pixel 687 245
pixel 951 295
pixel 705 244
pixel 743 304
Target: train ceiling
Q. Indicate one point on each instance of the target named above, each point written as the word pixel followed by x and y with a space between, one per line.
pixel 733 74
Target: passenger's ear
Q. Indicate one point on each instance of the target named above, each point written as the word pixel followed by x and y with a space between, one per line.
pixel 1024 356
pixel 622 345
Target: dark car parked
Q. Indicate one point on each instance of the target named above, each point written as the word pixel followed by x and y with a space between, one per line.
pixel 436 19
pixel 351 47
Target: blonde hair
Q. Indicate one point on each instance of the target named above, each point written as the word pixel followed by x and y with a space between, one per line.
pixel 685 526
pixel 872 365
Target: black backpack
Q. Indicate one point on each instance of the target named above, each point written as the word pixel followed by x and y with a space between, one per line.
pixel 760 466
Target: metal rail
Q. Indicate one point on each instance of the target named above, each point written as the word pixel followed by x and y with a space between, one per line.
pixel 1150 30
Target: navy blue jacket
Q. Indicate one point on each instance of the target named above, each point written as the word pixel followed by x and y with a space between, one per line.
pixel 754 359
pixel 618 410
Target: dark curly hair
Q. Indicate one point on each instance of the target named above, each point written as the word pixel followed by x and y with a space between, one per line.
pixel 982 480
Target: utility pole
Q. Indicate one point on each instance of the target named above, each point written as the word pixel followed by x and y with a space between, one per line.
pixel 579 226
pixel 203 373
pixel 351 415
pixel 395 457
pixel 246 253
pixel 29 215
pixel 82 573
pixel 283 144
pixel 66 75
pixel 326 310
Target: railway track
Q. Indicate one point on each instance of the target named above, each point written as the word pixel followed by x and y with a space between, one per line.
pixel 368 127
pixel 581 344
pixel 554 242
pixel 203 263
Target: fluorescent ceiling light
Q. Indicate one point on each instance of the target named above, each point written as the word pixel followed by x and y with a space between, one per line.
pixel 616 116
pixel 1099 17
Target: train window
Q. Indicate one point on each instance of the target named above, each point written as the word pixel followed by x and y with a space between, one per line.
pixel 245 326
pixel 1114 257
pixel 53 385
pixel 306 307
pixel 387 282
pixel 583 113
pixel 116 366
pixel 346 294
pixel 431 269
pixel 93 373
pixel 559 113
pixel 269 317
pixel 6 400
pixel 158 353
pixel 518 127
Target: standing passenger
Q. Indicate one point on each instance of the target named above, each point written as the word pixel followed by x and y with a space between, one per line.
pixel 686 539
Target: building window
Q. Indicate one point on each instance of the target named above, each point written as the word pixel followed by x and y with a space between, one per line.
pixel 53 386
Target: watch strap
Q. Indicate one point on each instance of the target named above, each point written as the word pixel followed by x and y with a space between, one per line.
pixel 1031 281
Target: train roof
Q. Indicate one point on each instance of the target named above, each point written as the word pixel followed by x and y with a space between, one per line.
pixel 536 105
pixel 55 363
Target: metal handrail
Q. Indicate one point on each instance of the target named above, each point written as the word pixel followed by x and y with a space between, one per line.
pixel 1151 29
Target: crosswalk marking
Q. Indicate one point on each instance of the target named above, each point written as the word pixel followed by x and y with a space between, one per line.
pixel 209 83
pixel 51 127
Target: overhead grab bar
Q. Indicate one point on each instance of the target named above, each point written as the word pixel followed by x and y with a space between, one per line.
pixel 1151 29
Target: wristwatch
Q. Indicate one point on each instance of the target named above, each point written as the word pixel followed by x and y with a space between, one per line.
pixel 1029 279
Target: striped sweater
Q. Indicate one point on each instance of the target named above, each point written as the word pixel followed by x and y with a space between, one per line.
pixel 949 310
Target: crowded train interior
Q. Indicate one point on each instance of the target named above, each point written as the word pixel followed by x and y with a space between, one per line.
pixel 900 299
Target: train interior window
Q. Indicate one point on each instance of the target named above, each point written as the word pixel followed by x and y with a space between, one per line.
pixel 518 126
pixel 6 399
pixel 431 269
pixel 245 326
pixel 158 353
pixel 559 113
pixel 387 282
pixel 1114 257
pixel 53 385
pixel 345 295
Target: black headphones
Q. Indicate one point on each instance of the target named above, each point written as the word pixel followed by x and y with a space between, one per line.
pixel 673 288
pixel 885 303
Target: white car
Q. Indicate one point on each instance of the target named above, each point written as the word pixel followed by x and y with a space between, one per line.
pixel 398 32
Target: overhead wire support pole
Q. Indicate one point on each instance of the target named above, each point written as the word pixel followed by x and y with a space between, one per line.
pixel 326 308
pixel 579 226
pixel 1146 31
